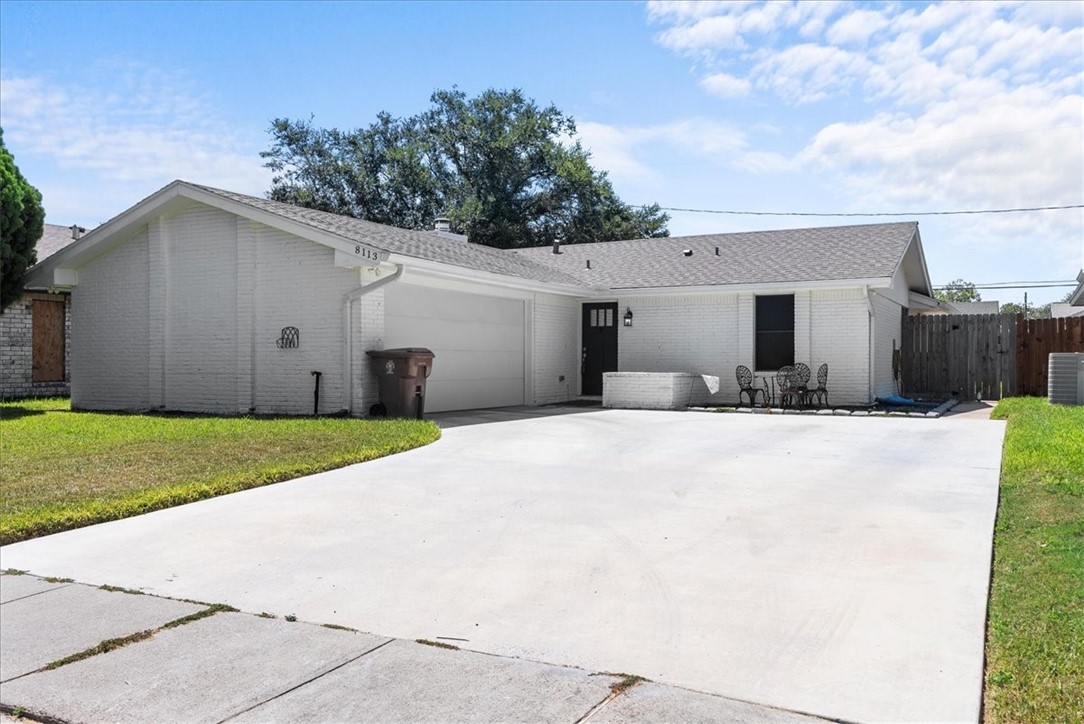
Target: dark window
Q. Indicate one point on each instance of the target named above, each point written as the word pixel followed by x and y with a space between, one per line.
pixel 775 331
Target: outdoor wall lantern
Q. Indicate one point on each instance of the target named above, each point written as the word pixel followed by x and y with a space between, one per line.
pixel 628 317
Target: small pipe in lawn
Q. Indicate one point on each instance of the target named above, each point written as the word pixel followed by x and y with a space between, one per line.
pixel 316 393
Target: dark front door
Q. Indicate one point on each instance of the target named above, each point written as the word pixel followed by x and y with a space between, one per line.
pixel 599 345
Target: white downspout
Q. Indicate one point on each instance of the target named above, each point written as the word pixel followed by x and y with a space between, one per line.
pixel 348 333
pixel 869 344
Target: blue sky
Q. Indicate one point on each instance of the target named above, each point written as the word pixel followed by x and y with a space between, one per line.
pixel 816 107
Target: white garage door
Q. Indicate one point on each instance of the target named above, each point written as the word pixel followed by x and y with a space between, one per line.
pixel 478 342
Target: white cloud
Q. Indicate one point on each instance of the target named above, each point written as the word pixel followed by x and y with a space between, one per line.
pixel 809 72
pixel 131 128
pixel 725 85
pixel 856 27
pixel 685 10
pixel 948 105
pixel 710 33
pixel 622 150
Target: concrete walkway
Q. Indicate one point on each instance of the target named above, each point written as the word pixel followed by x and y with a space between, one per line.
pixel 184 661
pixel 831 566
pixel 972 410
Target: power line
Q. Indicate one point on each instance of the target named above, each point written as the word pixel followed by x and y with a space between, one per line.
pixel 876 213
pixel 1023 282
pixel 1010 286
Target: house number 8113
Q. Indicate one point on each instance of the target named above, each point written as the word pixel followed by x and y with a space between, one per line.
pixel 366 253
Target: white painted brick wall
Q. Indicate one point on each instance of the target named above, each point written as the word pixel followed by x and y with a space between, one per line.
pixel 839 335
pixel 713 334
pixel 369 334
pixel 17 350
pixel 647 390
pixel 297 285
pixel 110 339
pixel 556 324
pixel 186 316
pixel 201 311
pixel 690 333
pixel 888 326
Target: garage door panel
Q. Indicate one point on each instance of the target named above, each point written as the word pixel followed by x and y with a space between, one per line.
pixel 457 365
pixel 449 334
pixel 472 394
pixel 478 342
pixel 420 302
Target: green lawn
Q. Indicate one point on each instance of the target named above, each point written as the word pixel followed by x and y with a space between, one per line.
pixel 61 469
pixel 1035 642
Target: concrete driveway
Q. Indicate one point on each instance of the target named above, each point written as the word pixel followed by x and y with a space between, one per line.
pixel 833 566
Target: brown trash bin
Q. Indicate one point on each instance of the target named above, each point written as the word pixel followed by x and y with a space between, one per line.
pixel 402 373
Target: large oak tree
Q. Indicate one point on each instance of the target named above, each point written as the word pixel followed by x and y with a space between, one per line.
pixel 507 172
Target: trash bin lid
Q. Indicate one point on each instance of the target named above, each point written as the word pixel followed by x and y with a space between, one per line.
pixel 400 353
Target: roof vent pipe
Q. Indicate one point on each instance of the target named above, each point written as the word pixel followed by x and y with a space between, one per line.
pixel 442 223
pixel 556 246
pixel 588 263
pixel 716 251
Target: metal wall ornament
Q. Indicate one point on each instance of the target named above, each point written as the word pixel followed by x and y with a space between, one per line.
pixel 289 339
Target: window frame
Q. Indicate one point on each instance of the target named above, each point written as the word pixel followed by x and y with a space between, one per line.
pixel 764 328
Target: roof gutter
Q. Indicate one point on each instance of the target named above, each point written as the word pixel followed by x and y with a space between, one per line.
pixel 348 332
pixel 777 287
pixel 461 273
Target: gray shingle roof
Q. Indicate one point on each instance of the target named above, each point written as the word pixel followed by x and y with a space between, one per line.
pixel 417 244
pixel 752 257
pixel 53 239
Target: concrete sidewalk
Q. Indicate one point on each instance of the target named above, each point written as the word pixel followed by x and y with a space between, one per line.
pixel 73 652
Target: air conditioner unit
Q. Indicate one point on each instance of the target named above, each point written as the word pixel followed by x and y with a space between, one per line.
pixel 1065 378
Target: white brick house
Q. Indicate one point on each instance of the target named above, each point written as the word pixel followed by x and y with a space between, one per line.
pixel 179 303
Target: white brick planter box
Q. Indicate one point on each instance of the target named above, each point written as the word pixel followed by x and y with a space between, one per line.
pixel 647 390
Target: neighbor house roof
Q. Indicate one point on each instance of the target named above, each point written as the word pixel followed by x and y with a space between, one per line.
pixel 1076 299
pixel 976 307
pixel 750 257
pixel 448 249
pixel 53 239
pixel 1064 309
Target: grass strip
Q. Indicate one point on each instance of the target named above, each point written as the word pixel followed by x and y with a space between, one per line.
pixel 436 644
pixel 1035 636
pixel 65 469
pixel 626 682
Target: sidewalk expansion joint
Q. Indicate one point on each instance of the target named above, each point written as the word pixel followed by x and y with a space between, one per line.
pixel 38 593
pixel 104 647
pixel 21 715
pixel 624 683
pixel 307 681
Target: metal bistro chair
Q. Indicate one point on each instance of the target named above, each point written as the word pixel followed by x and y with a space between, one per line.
pixel 803 373
pixel 820 392
pixel 745 386
pixel 786 379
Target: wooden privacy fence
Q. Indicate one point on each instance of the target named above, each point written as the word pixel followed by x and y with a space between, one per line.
pixel 967 355
pixel 987 355
pixel 1035 340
